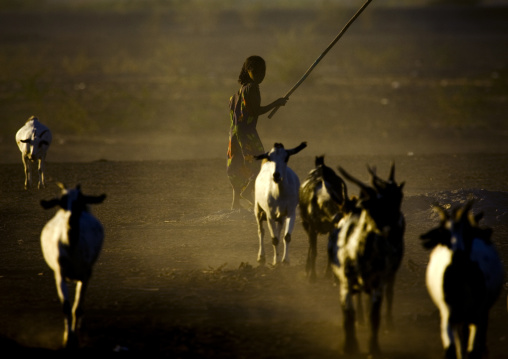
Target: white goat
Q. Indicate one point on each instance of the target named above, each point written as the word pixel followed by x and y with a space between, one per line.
pixel 276 198
pixel 464 278
pixel 71 242
pixel 33 140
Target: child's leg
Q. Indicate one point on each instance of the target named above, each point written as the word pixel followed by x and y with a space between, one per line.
pixel 248 192
pixel 236 198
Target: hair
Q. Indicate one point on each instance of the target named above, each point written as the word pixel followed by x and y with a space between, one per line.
pixel 251 63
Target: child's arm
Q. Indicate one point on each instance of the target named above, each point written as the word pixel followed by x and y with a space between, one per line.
pixel 277 103
pixel 253 101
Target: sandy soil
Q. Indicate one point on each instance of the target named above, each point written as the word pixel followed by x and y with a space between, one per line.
pixel 178 275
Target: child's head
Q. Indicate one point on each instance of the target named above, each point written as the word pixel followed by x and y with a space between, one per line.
pixel 253 70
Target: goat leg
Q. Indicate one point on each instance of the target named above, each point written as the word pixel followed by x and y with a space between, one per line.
pixel 290 223
pixel 275 228
pixel 375 320
pixel 26 166
pixel 311 256
pixel 348 312
pixel 389 301
pixel 42 183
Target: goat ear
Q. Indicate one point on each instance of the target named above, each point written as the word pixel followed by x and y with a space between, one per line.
pixel 50 204
pixel 61 186
pixel 263 156
pixel 95 199
pixel 297 149
pixel 434 237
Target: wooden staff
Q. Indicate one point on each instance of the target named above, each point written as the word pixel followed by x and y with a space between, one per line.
pixel 322 55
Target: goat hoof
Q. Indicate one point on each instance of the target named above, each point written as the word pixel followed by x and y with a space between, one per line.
pixel 72 343
pixel 374 350
pixel 312 278
pixel 351 348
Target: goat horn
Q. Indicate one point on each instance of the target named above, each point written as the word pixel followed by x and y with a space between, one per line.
pixel 376 181
pixel 443 215
pixel 464 212
pixel 354 180
pixel 372 170
pixel 392 172
pixel 476 218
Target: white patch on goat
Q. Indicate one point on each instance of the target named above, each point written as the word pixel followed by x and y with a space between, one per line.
pixel 323 196
pixel 440 259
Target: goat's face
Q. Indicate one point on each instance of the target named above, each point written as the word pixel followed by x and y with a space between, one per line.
pixel 383 199
pixel 72 200
pixel 279 156
pixel 389 201
pixel 456 230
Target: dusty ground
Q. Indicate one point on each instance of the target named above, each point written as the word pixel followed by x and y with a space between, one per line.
pixel 128 97
pixel 178 275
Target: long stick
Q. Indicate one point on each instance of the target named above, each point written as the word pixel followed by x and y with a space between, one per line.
pixel 323 54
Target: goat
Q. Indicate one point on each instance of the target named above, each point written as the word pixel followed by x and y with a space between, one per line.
pixel 366 250
pixel 71 242
pixel 464 278
pixel 33 140
pixel 276 198
pixel 322 197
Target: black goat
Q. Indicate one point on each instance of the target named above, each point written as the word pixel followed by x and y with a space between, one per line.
pixel 464 278
pixel 323 195
pixel 366 251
